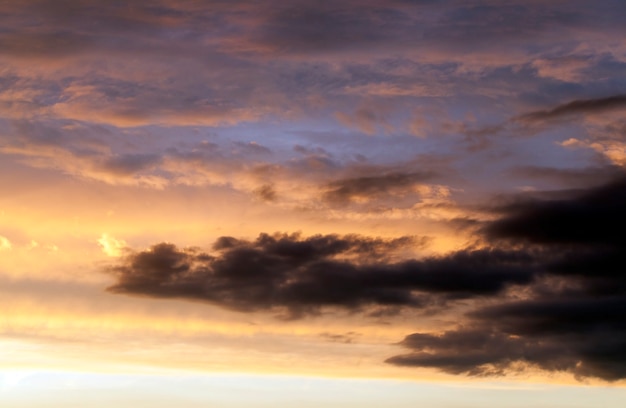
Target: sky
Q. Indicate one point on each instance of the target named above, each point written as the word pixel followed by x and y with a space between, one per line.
pixel 294 203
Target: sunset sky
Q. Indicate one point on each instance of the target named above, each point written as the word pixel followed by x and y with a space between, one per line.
pixel 349 203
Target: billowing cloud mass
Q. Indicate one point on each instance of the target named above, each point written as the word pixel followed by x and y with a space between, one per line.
pixel 571 318
pixel 303 275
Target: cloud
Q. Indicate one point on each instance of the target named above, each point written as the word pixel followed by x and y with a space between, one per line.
pixel 591 216
pixel 369 187
pixel 246 61
pixel 553 275
pixel 5 244
pixel 567 68
pixel 346 338
pixel 604 138
pixel 299 276
pixel 583 336
pixel 580 106
pixel 302 29
pixel 302 177
pixel 569 176
pixel 366 120
pixel 483 351
pixel 467 351
pixel 435 69
pixel 266 192
pixel 481 137
pixel 128 164
pixel 111 246
pixel 252 148
pixel 570 317
pixel 565 315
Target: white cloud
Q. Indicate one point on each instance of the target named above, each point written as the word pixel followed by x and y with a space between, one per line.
pixel 111 246
pixel 5 244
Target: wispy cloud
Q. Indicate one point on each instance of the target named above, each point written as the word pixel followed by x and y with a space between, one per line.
pixel 581 106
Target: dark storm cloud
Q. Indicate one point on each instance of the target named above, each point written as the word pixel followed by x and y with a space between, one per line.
pixel 368 187
pixel 301 275
pixel 572 319
pixel 581 234
pixel 593 216
pixel 558 316
pixel 483 350
pixel 577 107
pixel 584 336
pixel 468 351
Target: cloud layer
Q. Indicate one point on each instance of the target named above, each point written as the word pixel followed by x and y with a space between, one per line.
pixel 553 275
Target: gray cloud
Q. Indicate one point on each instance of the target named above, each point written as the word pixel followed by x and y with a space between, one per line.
pixel 584 336
pixel 563 252
pixel 299 276
pixel 368 187
pixel 572 319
